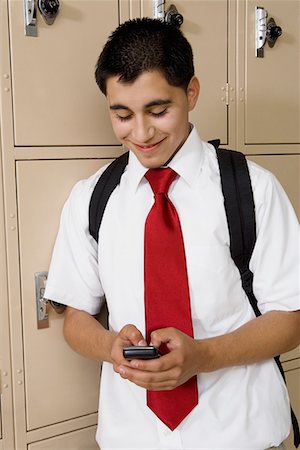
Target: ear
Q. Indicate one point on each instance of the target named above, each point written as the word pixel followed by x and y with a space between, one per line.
pixel 193 91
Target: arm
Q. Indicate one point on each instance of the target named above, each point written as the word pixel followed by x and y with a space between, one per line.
pixel 260 339
pixel 88 337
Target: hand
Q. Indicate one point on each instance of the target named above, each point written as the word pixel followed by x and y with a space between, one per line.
pixel 128 335
pixel 168 371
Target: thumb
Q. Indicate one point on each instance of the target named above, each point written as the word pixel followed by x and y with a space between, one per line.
pixel 164 336
pixel 132 335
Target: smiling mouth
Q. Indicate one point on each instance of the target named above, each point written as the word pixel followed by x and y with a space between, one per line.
pixel 148 148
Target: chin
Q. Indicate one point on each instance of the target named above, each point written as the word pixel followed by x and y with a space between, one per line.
pixel 151 163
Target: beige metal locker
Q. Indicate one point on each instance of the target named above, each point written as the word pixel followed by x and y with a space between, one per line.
pixel 55 98
pixel 206 27
pixel 59 384
pixel 269 88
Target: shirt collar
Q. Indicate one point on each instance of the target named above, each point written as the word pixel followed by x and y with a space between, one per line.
pixel 187 162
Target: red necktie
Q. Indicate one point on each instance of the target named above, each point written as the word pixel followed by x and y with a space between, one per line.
pixel 167 302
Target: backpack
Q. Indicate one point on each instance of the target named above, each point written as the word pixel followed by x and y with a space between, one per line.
pixel 240 213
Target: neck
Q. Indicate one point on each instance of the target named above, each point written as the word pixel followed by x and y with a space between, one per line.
pixel 179 147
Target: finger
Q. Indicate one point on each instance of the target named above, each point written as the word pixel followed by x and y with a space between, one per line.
pixel 127 336
pixel 163 380
pixel 147 377
pixel 168 336
pixel 161 364
pixel 132 335
pixel 161 386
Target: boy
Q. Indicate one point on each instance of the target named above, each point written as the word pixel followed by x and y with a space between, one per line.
pixel 146 72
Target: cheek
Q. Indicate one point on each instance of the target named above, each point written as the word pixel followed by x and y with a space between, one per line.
pixel 175 125
pixel 121 129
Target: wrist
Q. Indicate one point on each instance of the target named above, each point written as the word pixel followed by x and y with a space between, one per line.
pixel 210 357
pixel 110 337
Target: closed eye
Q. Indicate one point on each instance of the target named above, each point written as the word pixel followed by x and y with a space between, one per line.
pixel 160 113
pixel 152 113
pixel 123 118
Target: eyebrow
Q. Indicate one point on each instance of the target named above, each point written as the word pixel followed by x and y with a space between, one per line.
pixel 157 102
pixel 118 106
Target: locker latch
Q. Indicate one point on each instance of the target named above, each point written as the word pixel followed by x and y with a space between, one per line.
pixel 30 23
pixel 41 302
pixel 265 31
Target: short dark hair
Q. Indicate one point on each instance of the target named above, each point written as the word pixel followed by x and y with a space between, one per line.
pixel 141 45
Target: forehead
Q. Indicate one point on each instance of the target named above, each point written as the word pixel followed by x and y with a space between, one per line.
pixel 148 87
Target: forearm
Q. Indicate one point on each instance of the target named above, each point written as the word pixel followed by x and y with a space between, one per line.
pixel 262 338
pixel 87 336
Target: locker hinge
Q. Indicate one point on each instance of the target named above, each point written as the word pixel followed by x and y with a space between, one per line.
pixel 227 94
pixel 3 381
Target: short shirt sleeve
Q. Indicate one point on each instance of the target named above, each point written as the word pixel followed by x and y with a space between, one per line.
pixel 73 277
pixel 275 259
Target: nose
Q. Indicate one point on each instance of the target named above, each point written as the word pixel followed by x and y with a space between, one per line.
pixel 143 130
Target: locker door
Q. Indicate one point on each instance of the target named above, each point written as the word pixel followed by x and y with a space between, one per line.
pixel 272 107
pixel 78 440
pixel 55 98
pixel 205 26
pixel 59 384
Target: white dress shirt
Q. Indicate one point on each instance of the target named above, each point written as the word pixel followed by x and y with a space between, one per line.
pixel 239 407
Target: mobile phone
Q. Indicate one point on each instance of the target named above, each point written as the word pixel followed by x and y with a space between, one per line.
pixel 141 352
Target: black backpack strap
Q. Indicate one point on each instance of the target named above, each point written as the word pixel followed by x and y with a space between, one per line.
pixel 240 212
pixel 106 184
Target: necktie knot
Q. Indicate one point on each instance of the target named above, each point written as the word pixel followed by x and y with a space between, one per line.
pixel 160 179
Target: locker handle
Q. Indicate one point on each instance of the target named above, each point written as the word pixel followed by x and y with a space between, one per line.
pixel 30 22
pixel 42 303
pixel 265 31
pixel 42 306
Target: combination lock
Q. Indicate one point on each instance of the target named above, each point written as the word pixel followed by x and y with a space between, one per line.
pixel 49 10
pixel 273 32
pixel 173 17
